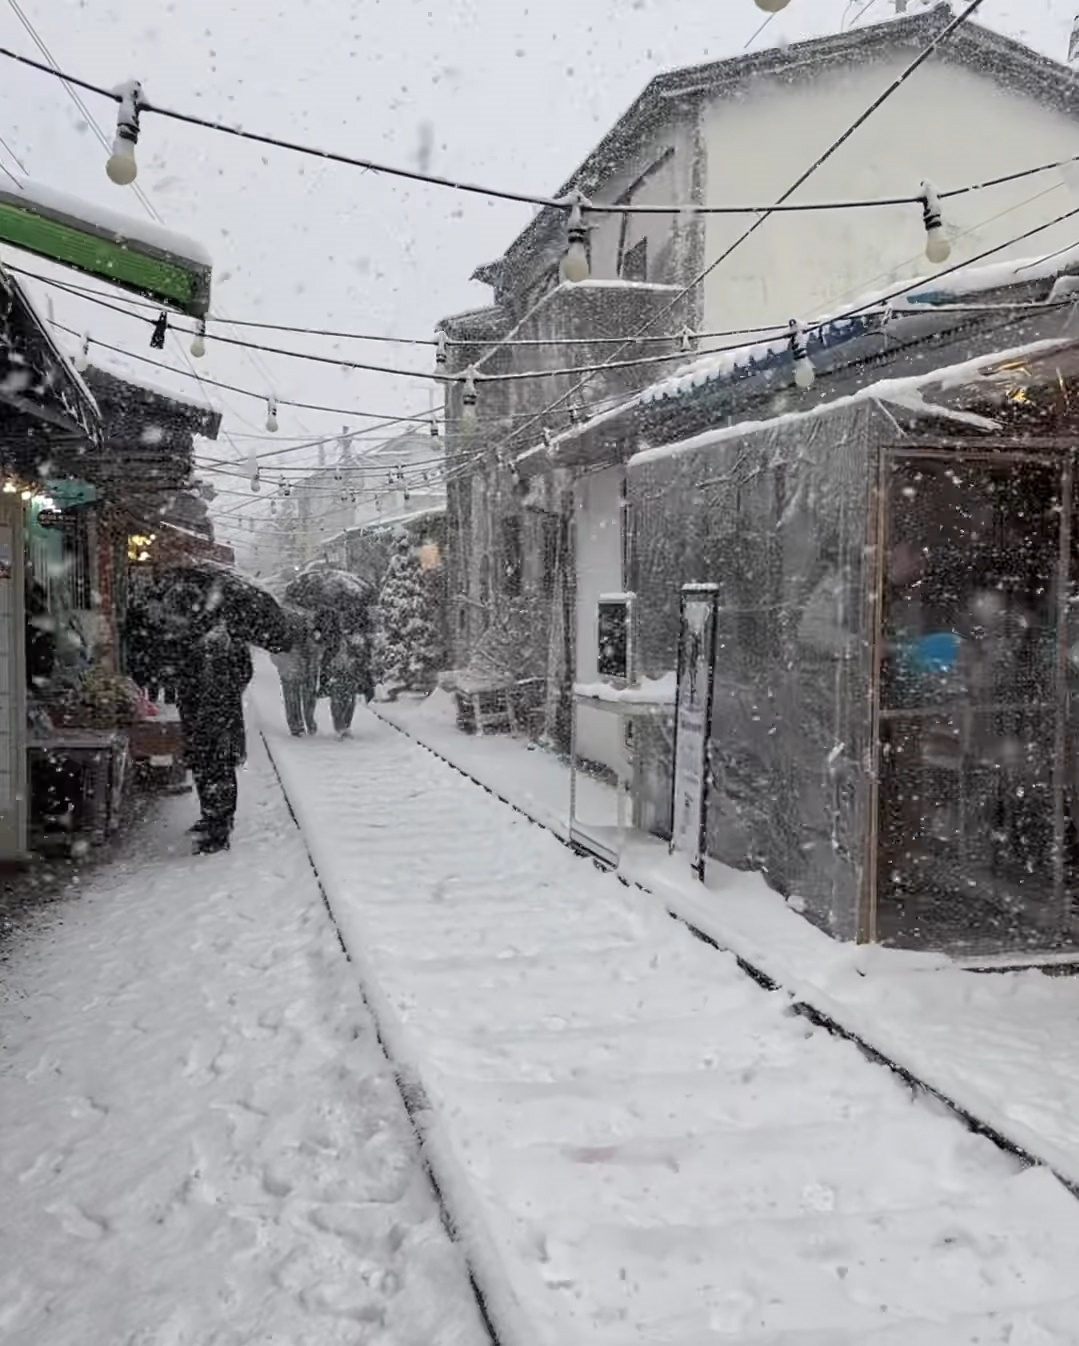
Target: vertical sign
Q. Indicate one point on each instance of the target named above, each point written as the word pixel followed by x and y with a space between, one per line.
pixel 692 721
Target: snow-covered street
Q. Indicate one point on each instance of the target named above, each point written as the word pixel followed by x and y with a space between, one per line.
pixel 201 1143
pixel 639 1143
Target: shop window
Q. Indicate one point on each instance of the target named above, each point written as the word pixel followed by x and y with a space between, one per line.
pixel 973 706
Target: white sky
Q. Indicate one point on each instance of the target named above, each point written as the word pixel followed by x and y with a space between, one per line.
pixel 513 94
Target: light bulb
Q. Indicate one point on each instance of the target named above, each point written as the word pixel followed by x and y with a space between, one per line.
pixel 121 166
pixel 198 342
pixel 804 374
pixel 772 6
pixel 271 415
pixel 574 264
pixel 469 399
pixel 937 247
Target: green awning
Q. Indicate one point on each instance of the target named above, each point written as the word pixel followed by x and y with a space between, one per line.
pixel 143 258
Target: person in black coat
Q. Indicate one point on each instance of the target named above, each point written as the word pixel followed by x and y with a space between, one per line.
pixel 212 676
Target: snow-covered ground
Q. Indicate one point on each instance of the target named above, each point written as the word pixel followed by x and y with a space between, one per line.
pixel 641 1144
pixel 201 1142
pixel 1001 1046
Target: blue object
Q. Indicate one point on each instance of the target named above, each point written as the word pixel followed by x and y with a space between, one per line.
pixel 936 653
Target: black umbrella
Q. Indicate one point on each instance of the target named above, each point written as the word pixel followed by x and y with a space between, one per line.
pixel 350 597
pixel 194 596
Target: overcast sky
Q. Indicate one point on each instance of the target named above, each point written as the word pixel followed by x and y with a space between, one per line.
pixel 511 94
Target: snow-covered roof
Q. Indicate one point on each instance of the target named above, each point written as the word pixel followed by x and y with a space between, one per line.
pixel 25 192
pixel 47 335
pixel 862 315
pixel 908 393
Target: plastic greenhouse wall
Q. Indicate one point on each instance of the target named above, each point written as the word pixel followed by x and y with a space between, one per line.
pixel 777 516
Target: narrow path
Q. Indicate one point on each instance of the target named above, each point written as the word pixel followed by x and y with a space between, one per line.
pixel 641 1144
pixel 201 1141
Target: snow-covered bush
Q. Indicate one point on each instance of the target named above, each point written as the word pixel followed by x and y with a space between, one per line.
pixel 409 652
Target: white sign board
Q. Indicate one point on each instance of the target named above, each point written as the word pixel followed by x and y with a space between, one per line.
pixel 696 653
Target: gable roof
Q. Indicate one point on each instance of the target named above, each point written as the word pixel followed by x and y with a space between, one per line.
pixel 1011 64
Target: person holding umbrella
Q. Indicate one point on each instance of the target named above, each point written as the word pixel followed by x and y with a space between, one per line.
pixel 210 618
pixel 347 649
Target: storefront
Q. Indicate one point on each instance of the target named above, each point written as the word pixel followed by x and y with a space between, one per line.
pixel 894 733
pixel 47 418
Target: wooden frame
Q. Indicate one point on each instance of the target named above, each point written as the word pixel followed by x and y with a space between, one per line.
pixel 689 593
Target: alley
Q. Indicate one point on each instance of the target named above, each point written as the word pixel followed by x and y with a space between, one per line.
pixel 642 1144
pixel 201 1143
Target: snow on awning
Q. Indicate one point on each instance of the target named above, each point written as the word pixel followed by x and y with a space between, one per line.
pixel 36 381
pixel 134 255
pixel 998 373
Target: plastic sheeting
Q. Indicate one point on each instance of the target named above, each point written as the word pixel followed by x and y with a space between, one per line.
pixel 777 517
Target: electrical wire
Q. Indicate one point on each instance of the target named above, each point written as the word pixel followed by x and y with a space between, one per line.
pixel 537 199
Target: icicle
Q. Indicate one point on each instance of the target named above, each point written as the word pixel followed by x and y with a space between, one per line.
pixel 121 166
pixel 161 327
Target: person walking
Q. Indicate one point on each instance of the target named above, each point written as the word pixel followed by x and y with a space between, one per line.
pixel 211 679
pixel 300 668
pixel 347 675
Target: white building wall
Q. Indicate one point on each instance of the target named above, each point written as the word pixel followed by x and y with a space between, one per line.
pixel 947 124
pixel 671 181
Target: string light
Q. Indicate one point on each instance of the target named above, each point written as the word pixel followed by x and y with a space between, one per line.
pixel 574 264
pixel 271 414
pixel 469 398
pixel 434 428
pixel 198 343
pixel 256 479
pixel 121 166
pixel 804 374
pixel 440 349
pixel 937 247
pixel 82 359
